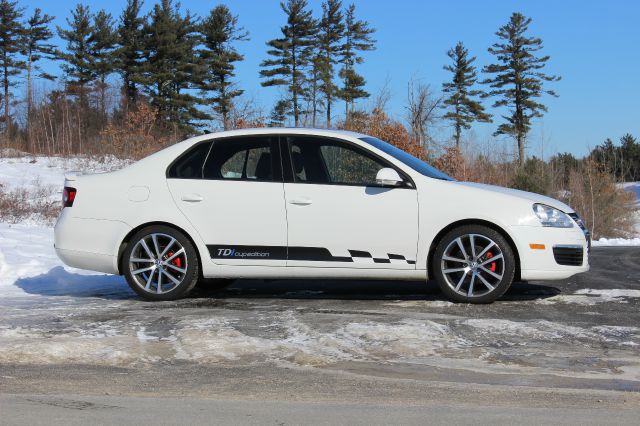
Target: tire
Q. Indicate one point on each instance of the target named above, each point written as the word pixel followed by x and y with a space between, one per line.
pixel 215 283
pixel 476 279
pixel 160 263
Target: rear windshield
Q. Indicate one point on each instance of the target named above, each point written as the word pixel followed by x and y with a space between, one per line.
pixel 408 159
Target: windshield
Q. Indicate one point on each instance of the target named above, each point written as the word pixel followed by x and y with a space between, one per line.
pixel 408 159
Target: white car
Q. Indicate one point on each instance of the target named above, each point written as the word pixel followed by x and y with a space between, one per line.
pixel 303 203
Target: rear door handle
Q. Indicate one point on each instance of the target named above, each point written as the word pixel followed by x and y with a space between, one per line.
pixel 192 198
pixel 300 201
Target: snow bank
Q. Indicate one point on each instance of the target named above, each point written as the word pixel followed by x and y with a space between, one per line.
pixel 611 242
pixel 29 265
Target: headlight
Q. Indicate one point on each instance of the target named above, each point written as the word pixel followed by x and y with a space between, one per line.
pixel 552 217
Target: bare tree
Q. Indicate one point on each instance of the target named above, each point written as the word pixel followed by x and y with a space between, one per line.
pixel 422 109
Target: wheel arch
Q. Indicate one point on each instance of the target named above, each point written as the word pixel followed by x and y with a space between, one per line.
pixel 127 238
pixel 445 230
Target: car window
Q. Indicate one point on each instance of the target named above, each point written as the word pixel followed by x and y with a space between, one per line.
pixel 240 159
pixel 189 165
pixel 317 160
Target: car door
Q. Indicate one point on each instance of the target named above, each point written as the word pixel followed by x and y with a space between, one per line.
pixel 337 215
pixel 231 190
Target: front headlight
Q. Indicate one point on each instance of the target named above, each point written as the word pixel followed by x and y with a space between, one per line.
pixel 552 217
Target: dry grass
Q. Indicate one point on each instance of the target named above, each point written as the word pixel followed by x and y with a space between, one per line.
pixel 36 203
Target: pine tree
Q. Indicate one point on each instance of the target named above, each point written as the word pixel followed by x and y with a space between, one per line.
pixel 357 38
pixel 463 108
pixel 78 57
pixel 291 53
pixel 331 28
pixel 102 41
pixel 220 30
pixel 171 70
pixel 517 79
pixel 281 109
pixel 36 47
pixel 11 37
pixel 130 49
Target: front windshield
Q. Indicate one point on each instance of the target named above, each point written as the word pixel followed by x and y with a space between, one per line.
pixel 408 159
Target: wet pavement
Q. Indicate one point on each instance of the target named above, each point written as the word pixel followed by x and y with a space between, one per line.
pixel 580 333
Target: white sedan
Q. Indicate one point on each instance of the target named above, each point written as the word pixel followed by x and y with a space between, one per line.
pixel 301 203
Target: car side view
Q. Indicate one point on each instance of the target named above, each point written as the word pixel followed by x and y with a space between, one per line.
pixel 305 203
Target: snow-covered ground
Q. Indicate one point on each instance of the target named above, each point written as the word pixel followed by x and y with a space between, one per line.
pixel 26 249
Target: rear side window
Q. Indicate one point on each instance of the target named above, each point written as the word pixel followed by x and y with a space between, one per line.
pixel 189 165
pixel 248 158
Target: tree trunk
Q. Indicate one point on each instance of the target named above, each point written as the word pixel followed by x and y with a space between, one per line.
pixel 328 111
pixel 29 102
pixel 520 139
pixel 6 97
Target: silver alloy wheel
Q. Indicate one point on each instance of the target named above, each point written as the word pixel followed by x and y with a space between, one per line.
pixel 473 265
pixel 158 263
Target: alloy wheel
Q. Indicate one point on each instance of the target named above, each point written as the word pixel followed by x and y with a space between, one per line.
pixel 473 265
pixel 158 263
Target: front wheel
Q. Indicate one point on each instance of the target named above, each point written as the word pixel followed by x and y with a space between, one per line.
pixel 473 264
pixel 160 263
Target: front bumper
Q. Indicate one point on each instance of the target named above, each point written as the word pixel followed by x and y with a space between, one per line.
pixel 541 264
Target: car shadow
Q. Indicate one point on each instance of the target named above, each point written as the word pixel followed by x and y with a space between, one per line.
pixel 356 290
pixel 60 282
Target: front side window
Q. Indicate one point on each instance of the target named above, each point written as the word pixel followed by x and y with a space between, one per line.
pixel 316 160
pixel 240 159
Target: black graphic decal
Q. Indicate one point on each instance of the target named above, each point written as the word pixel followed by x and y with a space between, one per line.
pixel 314 254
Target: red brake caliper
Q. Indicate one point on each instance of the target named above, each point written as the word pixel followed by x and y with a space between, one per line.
pixel 492 268
pixel 177 261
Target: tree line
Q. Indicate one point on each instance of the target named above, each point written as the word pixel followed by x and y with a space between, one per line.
pixel 184 67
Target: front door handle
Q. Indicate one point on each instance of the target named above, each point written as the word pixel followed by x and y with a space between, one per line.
pixel 300 201
pixel 192 198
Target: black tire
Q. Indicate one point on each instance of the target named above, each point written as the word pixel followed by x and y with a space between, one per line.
pixel 215 283
pixel 455 284
pixel 189 257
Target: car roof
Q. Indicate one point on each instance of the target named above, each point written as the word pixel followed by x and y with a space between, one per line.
pixel 279 130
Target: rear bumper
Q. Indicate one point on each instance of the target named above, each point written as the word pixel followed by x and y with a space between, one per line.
pixel 90 244
pixel 87 260
pixel 541 264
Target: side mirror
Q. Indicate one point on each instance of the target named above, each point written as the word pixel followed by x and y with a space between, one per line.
pixel 388 177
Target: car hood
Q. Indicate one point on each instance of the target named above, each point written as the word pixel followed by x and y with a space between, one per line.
pixel 529 196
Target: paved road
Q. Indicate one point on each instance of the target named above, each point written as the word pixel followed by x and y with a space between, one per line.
pixel 370 351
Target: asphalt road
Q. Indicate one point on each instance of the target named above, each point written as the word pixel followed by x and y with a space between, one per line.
pixel 320 352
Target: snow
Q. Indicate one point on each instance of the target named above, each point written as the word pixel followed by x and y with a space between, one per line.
pixel 612 242
pixel 28 261
pixel 26 249
pixel 633 187
pixel 590 297
pixel 27 172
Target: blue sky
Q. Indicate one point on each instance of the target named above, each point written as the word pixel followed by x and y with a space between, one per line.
pixel 594 46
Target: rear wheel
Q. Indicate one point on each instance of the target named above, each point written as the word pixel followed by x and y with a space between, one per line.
pixel 473 264
pixel 160 263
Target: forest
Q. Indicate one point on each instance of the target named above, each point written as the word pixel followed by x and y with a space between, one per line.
pixel 134 83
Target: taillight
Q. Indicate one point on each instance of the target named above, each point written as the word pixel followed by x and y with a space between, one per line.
pixel 68 196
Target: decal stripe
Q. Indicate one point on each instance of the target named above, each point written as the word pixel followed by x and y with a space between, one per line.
pixel 247 252
pixel 319 254
pixel 359 253
pixel 314 254
pixel 396 256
